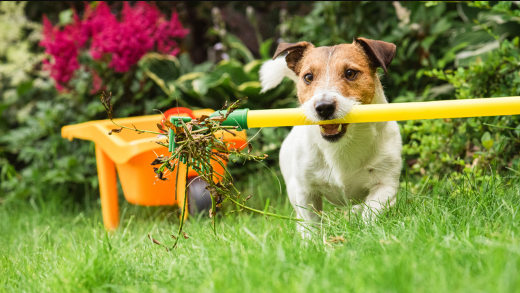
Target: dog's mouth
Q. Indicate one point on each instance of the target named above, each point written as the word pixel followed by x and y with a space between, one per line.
pixel 333 132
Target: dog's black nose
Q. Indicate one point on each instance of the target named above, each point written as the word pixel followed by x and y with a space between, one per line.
pixel 325 109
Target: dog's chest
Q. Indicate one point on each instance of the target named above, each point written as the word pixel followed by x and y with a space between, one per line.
pixel 339 180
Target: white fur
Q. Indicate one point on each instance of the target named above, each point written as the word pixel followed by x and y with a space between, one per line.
pixel 343 105
pixel 362 168
pixel 272 73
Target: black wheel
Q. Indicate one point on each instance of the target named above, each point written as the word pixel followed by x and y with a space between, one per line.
pixel 199 199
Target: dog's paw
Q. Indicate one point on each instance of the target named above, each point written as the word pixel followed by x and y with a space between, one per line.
pixel 370 215
pixel 366 214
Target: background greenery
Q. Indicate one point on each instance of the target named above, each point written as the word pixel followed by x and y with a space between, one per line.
pixel 445 51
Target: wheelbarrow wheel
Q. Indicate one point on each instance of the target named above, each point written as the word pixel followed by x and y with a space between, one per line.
pixel 199 199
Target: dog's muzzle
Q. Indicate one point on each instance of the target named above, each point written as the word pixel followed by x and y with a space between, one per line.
pixel 325 111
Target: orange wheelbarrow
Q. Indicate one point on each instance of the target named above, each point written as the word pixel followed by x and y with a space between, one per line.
pixel 131 153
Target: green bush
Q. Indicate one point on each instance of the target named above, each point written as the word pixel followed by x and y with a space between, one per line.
pixel 36 162
pixel 453 145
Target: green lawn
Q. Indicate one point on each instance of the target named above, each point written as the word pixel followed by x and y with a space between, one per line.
pixel 453 236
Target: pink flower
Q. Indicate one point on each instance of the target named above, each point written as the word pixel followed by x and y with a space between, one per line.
pixel 64 48
pixel 95 21
pixel 142 28
pixel 166 32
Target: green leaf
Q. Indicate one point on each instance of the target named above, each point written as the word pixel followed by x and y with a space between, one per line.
pixel 190 76
pixel 250 88
pixel 233 68
pixel 486 140
pixel 164 67
pixel 66 17
pixel 441 26
pixel 265 49
pixel 203 84
pixel 428 41
pixel 237 44
pixel 200 86
pixel 24 87
pixel 253 65
pixel 488 144
pixel 517 131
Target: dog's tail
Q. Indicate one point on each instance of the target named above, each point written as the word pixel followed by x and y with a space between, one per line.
pixel 272 73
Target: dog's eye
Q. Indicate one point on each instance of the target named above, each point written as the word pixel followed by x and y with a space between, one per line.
pixel 308 78
pixel 350 74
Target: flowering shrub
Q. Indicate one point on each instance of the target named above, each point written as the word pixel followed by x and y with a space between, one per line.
pixel 141 29
pixel 85 53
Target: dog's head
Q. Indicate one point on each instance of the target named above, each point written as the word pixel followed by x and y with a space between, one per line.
pixel 333 79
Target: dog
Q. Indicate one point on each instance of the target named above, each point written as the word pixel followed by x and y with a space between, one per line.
pixel 355 164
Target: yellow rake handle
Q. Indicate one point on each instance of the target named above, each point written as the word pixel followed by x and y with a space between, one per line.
pixel 392 112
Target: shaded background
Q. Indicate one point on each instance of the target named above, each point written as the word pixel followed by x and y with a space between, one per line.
pixel 444 51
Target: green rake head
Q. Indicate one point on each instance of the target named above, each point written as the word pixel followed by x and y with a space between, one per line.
pixel 236 118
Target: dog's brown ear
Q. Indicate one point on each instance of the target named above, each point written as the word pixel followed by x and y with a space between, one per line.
pixel 380 53
pixel 295 54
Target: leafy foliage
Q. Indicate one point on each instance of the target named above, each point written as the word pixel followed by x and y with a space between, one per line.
pixel 34 156
pixel 445 146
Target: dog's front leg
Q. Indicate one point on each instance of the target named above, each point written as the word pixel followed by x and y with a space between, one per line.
pixel 379 197
pixel 307 206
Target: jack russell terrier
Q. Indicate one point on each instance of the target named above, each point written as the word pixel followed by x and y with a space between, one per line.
pixel 346 164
